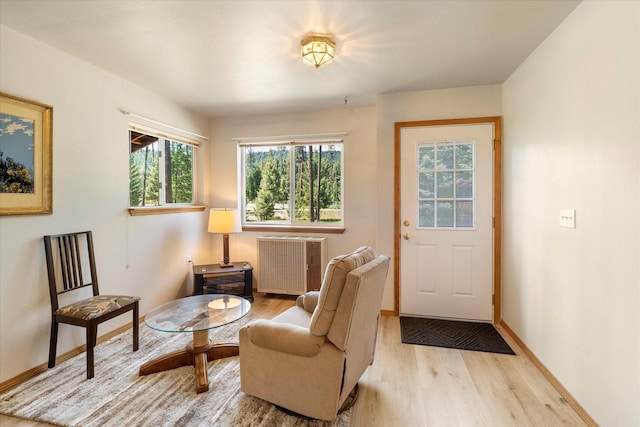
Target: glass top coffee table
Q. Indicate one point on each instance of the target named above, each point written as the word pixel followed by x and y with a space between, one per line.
pixel 196 314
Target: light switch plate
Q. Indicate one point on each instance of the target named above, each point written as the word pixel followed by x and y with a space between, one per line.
pixel 568 218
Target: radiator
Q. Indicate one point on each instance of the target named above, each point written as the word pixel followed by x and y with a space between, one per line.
pixel 290 264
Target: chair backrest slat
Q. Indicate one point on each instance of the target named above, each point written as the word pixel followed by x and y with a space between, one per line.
pixel 64 262
pixel 66 255
pixel 77 270
pixel 71 262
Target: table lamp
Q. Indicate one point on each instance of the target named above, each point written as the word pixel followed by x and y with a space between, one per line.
pixel 225 221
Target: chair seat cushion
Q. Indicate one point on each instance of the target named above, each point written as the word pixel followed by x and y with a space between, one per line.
pixel 97 306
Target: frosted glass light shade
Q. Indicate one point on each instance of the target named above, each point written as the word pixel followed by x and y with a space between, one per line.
pixel 318 50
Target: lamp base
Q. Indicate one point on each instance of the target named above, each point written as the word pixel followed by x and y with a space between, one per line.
pixel 225 263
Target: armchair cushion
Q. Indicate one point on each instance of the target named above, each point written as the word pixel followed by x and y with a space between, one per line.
pixel 308 301
pixel 332 286
pixel 284 338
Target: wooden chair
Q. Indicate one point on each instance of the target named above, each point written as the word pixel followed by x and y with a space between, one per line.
pixel 69 257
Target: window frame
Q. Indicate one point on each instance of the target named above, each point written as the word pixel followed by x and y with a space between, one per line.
pixel 291 143
pixel 163 207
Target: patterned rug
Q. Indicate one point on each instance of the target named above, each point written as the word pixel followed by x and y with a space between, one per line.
pixel 453 334
pixel 118 396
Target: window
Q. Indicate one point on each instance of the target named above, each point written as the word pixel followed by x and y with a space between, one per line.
pixel 297 184
pixel 160 169
pixel 446 184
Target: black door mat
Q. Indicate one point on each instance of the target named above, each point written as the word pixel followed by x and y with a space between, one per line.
pixel 453 334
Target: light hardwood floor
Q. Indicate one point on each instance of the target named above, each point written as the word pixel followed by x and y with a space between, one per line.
pixel 410 385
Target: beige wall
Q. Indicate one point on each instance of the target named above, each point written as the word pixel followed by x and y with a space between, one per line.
pixel 478 101
pixel 142 256
pixel 369 160
pixel 572 140
pixel 360 175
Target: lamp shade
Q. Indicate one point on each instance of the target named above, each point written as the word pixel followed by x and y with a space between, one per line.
pixel 224 221
pixel 317 50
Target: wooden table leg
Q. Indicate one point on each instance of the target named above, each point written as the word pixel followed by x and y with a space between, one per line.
pixel 222 350
pixel 179 358
pixel 166 362
pixel 202 373
pixel 197 354
pixel 200 347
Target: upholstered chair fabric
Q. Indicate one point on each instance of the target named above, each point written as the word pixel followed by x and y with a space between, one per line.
pixel 287 361
pixel 308 301
pixel 97 306
pixel 332 285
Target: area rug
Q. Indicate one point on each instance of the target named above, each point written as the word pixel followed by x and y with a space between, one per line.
pixel 453 334
pixel 118 396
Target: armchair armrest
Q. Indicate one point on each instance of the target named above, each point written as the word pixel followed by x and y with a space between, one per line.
pixel 308 301
pixel 284 338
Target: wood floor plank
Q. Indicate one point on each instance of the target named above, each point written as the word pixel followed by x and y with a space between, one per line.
pixel 491 387
pixel 411 385
pixel 446 387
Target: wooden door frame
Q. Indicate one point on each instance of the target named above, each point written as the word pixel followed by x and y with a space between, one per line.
pixel 496 121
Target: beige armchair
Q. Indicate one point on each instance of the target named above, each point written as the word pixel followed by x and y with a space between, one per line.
pixel 309 358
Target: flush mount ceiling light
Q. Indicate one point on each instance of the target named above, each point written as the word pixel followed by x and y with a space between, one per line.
pixel 317 50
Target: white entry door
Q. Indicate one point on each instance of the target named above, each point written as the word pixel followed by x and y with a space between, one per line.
pixel 446 250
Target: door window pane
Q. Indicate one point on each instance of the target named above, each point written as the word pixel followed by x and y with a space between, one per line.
pixel 464 156
pixel 445 185
pixel 464 185
pixel 445 174
pixel 426 217
pixel 425 185
pixel 444 214
pixel 464 213
pixel 445 157
pixel 426 155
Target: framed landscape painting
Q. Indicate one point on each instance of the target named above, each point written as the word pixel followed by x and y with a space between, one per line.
pixel 25 156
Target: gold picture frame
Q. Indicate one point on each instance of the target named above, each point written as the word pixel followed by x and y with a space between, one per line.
pixel 25 156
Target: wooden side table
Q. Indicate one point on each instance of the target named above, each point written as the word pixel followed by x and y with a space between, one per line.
pixel 236 280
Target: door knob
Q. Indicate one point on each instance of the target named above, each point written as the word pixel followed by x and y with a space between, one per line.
pixel 405 236
pixel 406 223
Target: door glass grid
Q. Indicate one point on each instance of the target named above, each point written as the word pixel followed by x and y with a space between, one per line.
pixel 446 175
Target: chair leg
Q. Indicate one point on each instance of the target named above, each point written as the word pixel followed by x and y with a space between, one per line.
pixel 95 335
pixel 136 322
pixel 92 331
pixel 53 343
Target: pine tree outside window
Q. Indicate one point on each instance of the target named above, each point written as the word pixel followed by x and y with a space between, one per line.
pixel 161 171
pixel 292 184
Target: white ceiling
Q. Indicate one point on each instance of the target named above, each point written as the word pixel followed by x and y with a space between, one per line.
pixel 225 58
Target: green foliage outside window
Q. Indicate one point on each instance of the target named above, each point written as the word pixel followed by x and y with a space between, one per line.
pixel 315 195
pixel 180 171
pixel 159 164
